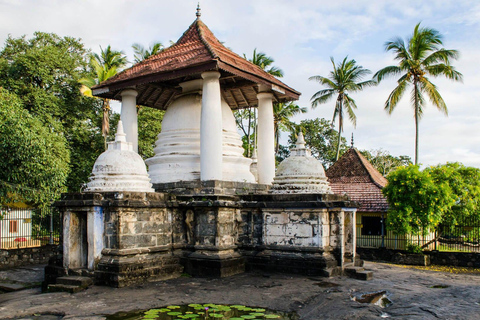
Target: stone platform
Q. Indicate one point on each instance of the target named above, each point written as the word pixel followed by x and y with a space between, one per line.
pixel 125 238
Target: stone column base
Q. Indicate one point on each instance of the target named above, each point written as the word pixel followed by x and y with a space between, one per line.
pixel 213 265
pixel 120 268
pixel 289 260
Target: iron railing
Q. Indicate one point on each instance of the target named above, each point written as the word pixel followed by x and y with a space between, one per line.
pixel 25 228
pixel 461 237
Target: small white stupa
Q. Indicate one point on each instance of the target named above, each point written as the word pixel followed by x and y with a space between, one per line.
pixel 119 168
pixel 300 172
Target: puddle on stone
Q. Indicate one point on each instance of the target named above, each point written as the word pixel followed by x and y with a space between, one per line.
pixel 439 286
pixel 207 311
pixel 376 298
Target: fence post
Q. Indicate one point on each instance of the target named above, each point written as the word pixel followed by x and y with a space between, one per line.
pixel 435 242
pixel 382 245
pixel 51 226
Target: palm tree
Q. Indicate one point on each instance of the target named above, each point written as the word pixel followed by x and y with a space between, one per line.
pixel 421 55
pixel 342 80
pixel 140 53
pixel 109 58
pixel 103 66
pixel 282 112
pixel 263 61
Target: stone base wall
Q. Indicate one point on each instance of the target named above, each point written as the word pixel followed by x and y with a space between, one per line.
pixel 120 268
pixel 290 260
pixel 457 259
pixel 155 236
pixel 27 256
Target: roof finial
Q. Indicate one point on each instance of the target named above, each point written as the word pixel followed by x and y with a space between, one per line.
pixel 352 141
pixel 198 14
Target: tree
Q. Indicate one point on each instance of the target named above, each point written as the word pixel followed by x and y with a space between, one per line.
pixel 246 118
pixel 265 62
pixel 384 162
pixel 44 73
pixel 149 126
pixel 282 112
pixel 140 53
pixel 341 81
pixel 419 57
pixel 149 119
pixel 464 183
pixel 35 159
pixel 417 202
pixel 321 138
pixel 103 66
pixel 246 121
pixel 109 58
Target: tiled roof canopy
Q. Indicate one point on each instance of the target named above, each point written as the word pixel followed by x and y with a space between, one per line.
pixel 156 79
pixel 354 175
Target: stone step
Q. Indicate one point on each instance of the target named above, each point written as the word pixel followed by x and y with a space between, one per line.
pixel 64 288
pixel 353 269
pixel 75 281
pixel 364 275
pixel 358 273
pixel 10 287
pixel 331 272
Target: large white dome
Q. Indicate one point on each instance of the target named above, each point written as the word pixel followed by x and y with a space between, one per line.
pixel 300 172
pixel 119 168
pixel 177 151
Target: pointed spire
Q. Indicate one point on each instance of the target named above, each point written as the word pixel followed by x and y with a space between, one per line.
pixel 120 136
pixel 300 141
pixel 198 14
pixel 352 141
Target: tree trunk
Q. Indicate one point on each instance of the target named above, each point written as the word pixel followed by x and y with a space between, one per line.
pixel 416 120
pixel 105 121
pixel 340 122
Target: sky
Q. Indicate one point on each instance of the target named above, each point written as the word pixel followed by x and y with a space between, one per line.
pixel 301 36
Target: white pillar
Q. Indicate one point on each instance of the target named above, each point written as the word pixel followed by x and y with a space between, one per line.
pixel 211 128
pixel 266 139
pixel 129 116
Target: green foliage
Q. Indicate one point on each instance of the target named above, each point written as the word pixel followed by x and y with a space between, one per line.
pixel 414 248
pixel 265 62
pixel 245 120
pixel 35 159
pixel 282 112
pixel 149 126
pixel 44 72
pixel 417 202
pixel 384 162
pixel 321 138
pixel 464 183
pixel 140 53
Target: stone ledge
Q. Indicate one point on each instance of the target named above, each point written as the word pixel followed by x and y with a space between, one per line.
pixel 127 252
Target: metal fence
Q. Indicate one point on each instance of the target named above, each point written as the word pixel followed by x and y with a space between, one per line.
pixel 462 237
pixel 26 228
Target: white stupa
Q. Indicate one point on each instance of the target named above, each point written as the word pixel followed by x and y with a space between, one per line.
pixel 119 168
pixel 300 172
pixel 177 151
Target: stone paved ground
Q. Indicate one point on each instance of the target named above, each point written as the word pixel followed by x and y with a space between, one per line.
pixel 410 290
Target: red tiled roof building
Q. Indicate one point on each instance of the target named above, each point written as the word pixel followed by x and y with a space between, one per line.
pixel 353 175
